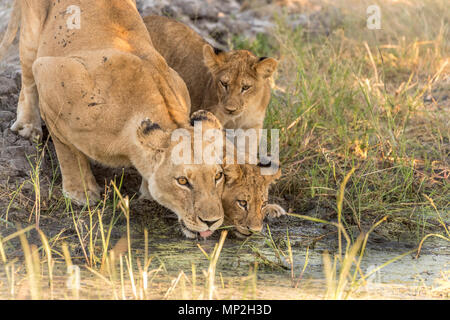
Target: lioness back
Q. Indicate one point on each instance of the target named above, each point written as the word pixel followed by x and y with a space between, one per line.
pixel 234 86
pixel 182 48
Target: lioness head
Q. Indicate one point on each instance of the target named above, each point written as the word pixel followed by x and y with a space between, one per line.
pixel 245 198
pixel 192 191
pixel 241 79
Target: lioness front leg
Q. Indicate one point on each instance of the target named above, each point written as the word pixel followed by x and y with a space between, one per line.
pixel 28 123
pixel 79 183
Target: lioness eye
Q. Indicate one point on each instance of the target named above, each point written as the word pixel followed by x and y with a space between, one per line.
pixel 243 203
pixel 183 181
pixel 245 88
pixel 219 176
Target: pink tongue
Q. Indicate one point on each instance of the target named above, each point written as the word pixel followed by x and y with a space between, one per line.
pixel 206 234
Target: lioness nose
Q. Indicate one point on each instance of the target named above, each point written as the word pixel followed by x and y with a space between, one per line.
pixel 209 223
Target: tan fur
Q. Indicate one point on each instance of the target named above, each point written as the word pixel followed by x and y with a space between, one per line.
pixel 205 72
pixel 246 183
pixel 106 94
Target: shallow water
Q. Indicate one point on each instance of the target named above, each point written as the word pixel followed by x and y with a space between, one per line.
pixel 406 278
pixel 237 256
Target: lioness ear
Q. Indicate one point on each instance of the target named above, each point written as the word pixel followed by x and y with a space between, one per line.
pixel 233 173
pixel 212 57
pixel 266 67
pixel 151 135
pixel 208 120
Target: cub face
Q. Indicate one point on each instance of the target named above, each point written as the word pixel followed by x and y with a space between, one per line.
pixel 241 80
pixel 192 191
pixel 245 198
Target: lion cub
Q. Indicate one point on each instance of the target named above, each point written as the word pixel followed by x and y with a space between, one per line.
pixel 234 86
pixel 245 198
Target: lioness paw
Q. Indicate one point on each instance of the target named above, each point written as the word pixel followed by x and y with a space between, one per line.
pixel 81 198
pixel 274 211
pixel 32 131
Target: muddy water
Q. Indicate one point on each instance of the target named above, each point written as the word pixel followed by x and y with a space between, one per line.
pixel 238 255
pixel 405 278
pixel 399 279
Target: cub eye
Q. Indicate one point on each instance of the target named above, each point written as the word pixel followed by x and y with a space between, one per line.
pixel 219 176
pixel 243 203
pixel 183 181
pixel 245 88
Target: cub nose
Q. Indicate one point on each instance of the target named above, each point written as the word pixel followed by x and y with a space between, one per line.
pixel 231 110
pixel 209 223
pixel 255 228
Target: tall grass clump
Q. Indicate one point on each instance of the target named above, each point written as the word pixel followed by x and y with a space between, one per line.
pixel 357 98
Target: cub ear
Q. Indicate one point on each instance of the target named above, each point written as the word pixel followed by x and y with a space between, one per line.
pixel 212 57
pixel 270 169
pixel 208 120
pixel 266 67
pixel 233 173
pixel 151 135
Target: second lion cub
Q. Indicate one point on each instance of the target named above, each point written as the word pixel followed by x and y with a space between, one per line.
pixel 234 86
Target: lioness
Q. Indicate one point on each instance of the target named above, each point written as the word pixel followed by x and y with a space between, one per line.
pixel 245 198
pixel 106 94
pixel 234 85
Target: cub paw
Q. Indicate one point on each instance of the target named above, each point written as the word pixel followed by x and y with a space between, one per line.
pixel 274 211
